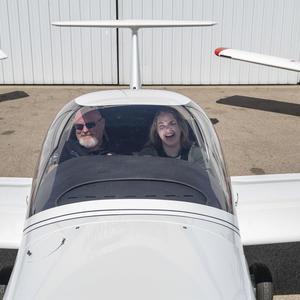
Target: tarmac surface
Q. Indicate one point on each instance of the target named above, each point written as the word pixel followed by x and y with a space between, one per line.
pixel 258 127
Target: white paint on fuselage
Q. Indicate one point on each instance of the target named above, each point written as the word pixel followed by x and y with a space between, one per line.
pixel 152 249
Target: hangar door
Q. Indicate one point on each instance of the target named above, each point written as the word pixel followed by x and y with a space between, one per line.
pixel 42 54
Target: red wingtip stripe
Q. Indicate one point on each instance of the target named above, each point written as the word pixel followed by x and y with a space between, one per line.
pixel 218 50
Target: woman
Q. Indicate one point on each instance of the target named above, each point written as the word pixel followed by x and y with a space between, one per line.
pixel 169 137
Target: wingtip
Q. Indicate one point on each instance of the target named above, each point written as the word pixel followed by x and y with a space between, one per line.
pixel 218 50
pixel 2 55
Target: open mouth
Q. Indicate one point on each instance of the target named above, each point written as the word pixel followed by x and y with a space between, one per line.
pixel 170 135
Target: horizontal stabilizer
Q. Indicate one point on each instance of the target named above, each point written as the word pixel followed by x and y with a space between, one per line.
pixel 261 59
pixel 2 54
pixel 14 192
pixel 268 208
pixel 134 23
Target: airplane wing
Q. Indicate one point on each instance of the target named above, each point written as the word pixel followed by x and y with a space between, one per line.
pixel 2 54
pixel 267 207
pixel 14 194
pixel 261 59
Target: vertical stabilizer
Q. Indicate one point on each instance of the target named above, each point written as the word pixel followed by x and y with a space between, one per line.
pixel 134 25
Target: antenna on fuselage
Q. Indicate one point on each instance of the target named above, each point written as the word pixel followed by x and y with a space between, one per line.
pixel 134 25
pixel 2 54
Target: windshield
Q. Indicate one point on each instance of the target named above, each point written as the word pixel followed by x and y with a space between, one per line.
pixel 130 152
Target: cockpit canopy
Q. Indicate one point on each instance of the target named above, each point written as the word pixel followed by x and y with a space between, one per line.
pixel 135 149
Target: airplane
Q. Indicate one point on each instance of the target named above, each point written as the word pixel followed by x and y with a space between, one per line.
pixel 2 55
pixel 109 215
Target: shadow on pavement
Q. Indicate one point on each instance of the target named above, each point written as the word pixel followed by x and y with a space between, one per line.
pixel 283 260
pixel 214 120
pixel 13 96
pixel 287 108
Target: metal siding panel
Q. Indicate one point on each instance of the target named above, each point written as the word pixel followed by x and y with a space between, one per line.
pixel 167 49
pixel 46 45
pixel 165 53
pixel 6 65
pixel 176 44
pixel 26 42
pixel 76 42
pixel 14 30
pixel 125 12
pixel 109 45
pixel 66 40
pixel 88 55
pixel 42 54
pixel 265 27
pixel 56 43
pixel 1 63
pixel 296 35
pixel 276 39
pixel 96 45
pixel 197 8
pixel 294 42
pixel 86 35
pixel 186 46
pixel 157 40
pixel 265 46
pixel 185 56
pixel 204 45
pixel 255 38
pixel 36 38
pixel 226 39
pixel 286 39
pixel 236 41
pixel 246 43
pixel 276 36
pixel 272 49
pixel 216 39
pixel 147 39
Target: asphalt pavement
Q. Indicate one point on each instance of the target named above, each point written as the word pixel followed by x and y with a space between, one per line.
pixel 258 127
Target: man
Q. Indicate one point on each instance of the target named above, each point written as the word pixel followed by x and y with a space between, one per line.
pixel 89 131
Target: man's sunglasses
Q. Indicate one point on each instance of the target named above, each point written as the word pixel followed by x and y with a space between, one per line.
pixel 88 125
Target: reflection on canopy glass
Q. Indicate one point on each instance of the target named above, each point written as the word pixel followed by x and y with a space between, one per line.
pixel 130 152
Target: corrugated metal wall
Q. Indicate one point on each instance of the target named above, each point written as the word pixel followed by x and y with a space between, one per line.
pixel 41 54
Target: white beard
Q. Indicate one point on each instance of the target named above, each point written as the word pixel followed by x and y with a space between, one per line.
pixel 90 143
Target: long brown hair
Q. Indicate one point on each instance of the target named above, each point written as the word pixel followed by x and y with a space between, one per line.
pixel 154 139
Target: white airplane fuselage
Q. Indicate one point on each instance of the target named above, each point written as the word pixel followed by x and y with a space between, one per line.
pixel 131 249
pixel 179 241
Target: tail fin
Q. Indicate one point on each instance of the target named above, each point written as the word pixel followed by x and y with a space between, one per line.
pixel 134 25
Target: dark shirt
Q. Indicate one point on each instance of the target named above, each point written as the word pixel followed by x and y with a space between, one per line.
pixel 194 154
pixel 183 153
pixel 73 149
